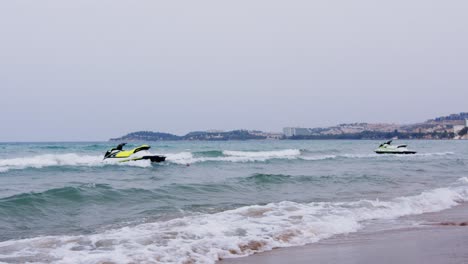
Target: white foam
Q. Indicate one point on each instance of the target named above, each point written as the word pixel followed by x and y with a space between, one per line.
pixel 262 156
pixel 180 158
pixel 319 157
pixel 270 154
pixel 73 159
pixel 208 237
pixel 375 155
pixel 447 153
pixel 463 180
pixel 70 159
pixel 235 156
pixel 360 156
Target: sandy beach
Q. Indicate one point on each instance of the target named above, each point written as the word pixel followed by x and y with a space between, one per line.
pixel 442 239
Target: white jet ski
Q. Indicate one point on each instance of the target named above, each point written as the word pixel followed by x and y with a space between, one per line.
pixel 387 148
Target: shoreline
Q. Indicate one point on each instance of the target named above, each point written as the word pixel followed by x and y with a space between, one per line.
pixel 442 238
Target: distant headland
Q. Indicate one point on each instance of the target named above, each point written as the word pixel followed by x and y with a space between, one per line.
pixel 454 126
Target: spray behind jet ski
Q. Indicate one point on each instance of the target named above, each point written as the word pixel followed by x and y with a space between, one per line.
pixel 387 148
pixel 121 155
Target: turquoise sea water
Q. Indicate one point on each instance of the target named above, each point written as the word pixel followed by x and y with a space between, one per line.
pixel 60 203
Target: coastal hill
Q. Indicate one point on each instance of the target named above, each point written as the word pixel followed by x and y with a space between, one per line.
pixel 147 136
pixel 198 135
pixel 454 126
pixel 446 127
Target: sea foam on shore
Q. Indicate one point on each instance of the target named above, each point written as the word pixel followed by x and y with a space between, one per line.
pixel 206 238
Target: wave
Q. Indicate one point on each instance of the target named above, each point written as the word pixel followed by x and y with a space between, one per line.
pixel 70 159
pixel 26 203
pixel 307 155
pixel 262 179
pixel 321 151
pixel 289 154
pixel 265 178
pixel 64 193
pixel 261 154
pixel 73 159
pixel 319 157
pixel 52 147
pixel 209 153
pixel 206 238
pixel 233 156
pixel 375 155
pixel 447 153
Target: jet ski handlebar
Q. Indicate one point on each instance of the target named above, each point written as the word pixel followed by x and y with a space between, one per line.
pixel 386 143
pixel 120 146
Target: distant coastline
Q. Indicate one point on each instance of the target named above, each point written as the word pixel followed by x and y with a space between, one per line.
pixel 454 126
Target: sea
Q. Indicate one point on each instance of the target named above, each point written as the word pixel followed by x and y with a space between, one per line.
pixel 61 203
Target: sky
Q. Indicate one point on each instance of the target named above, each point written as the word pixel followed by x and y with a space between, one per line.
pixel 91 70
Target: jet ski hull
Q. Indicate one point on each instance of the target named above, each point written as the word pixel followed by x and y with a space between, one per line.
pixel 154 158
pixel 396 152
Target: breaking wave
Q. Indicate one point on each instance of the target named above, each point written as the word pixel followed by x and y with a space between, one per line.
pixel 206 238
pixel 288 154
pixel 73 159
pixel 261 154
pixel 374 155
pixel 70 159
pixel 234 156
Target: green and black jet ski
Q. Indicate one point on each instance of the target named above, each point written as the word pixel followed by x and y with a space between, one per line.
pixel 118 154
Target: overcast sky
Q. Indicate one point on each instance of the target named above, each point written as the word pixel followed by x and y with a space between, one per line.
pixel 91 70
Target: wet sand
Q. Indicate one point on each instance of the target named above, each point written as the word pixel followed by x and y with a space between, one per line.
pixel 442 239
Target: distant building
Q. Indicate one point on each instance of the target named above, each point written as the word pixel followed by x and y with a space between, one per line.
pixel 268 135
pixel 302 132
pixel 296 131
pixel 288 131
pixel 466 122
